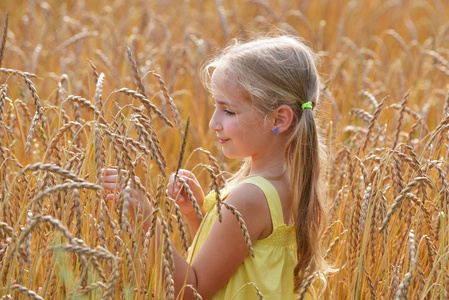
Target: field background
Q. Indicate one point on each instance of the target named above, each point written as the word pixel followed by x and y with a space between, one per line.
pixel 383 116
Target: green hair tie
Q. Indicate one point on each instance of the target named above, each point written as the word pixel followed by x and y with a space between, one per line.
pixel 307 105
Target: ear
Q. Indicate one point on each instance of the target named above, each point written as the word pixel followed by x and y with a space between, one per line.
pixel 283 117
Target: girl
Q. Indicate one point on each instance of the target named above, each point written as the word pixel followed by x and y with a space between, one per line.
pixel 264 93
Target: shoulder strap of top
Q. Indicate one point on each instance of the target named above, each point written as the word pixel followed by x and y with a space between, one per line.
pixel 272 196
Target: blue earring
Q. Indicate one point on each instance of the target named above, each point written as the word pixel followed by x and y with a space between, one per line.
pixel 276 130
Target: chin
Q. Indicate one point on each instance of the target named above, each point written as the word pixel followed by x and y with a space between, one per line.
pixel 232 155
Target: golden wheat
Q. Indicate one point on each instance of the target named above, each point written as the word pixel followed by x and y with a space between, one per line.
pixel 72 104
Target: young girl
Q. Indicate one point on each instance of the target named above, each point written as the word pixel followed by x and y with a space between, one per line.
pixel 264 93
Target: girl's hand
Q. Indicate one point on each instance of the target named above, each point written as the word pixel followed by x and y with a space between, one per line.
pixel 137 199
pixel 177 192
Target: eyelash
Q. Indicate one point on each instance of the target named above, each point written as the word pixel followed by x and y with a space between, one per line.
pixel 228 112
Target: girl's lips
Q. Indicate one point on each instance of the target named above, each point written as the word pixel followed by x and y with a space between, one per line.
pixel 222 141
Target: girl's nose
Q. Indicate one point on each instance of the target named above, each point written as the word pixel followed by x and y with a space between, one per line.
pixel 214 123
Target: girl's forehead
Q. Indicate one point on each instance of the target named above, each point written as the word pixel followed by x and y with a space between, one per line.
pixel 224 86
pixel 220 80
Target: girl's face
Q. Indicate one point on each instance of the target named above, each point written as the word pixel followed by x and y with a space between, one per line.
pixel 239 126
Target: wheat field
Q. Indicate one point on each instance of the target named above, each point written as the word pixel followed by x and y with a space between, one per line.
pixel 86 85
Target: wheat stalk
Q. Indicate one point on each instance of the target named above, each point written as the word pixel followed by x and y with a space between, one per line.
pixel 100 253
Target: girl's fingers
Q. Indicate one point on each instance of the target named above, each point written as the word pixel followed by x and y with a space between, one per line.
pixel 109 178
pixel 188 176
pixel 109 171
pixel 110 197
pixel 172 192
pixel 111 186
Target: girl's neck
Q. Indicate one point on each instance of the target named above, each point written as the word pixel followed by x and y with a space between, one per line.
pixel 273 170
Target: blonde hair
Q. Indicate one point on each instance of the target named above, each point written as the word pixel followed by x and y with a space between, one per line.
pixel 275 71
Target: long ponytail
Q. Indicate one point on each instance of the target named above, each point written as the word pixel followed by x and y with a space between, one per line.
pixel 304 152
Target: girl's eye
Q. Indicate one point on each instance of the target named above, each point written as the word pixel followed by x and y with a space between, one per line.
pixel 229 113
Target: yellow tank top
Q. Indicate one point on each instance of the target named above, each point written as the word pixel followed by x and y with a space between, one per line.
pixel 271 269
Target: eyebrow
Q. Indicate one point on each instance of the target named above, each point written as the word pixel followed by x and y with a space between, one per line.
pixel 221 102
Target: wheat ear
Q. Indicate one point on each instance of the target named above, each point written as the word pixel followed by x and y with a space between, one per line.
pixel 222 15
pixel 109 293
pixel 401 115
pixel 25 291
pixel 242 225
pixel 77 37
pixel 404 286
pixel 216 189
pixel 181 226
pixel 195 292
pixel 86 103
pixel 397 202
pixel 183 147
pixel 192 198
pixel 174 111
pixel 372 122
pixel 306 283
pixel 3 89
pixel 54 169
pixel 136 71
pixel 5 33
pixel 6 228
pixel 66 186
pixel 146 136
pixel 214 162
pixel 370 285
pixel 146 102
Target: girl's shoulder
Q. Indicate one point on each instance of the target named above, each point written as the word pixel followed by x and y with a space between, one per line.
pixel 246 195
pixel 250 201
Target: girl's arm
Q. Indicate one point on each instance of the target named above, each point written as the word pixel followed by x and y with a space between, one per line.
pixel 225 248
